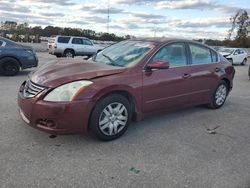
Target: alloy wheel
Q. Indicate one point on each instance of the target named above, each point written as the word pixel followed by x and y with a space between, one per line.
pixel 113 119
pixel 220 95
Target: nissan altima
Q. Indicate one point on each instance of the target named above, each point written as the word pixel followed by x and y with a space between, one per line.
pixel 126 81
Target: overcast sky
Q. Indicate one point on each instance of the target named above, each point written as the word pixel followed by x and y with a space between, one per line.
pixel 175 18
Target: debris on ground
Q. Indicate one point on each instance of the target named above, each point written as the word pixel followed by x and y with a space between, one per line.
pixel 212 131
pixel 134 170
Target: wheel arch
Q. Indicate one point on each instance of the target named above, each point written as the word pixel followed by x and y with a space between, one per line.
pixel 71 49
pixel 13 57
pixel 125 93
pixel 227 82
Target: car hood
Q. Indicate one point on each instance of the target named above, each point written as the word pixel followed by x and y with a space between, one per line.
pixel 225 53
pixel 63 71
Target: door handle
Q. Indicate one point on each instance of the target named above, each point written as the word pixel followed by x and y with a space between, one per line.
pixel 185 76
pixel 217 69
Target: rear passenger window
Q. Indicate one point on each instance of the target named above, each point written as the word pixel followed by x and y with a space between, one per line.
pixel 241 52
pixel 77 41
pixel 174 53
pixel 200 55
pixel 1 43
pixel 64 40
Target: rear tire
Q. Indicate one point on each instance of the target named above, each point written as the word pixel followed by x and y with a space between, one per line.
pixel 110 117
pixel 69 54
pixel 220 95
pixel 9 66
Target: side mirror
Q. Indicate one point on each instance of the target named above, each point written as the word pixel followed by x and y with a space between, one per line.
pixel 158 64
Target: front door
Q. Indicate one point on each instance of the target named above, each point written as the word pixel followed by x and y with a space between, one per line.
pixel 89 47
pixel 167 88
pixel 79 47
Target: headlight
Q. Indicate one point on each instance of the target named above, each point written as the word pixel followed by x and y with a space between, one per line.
pixel 67 92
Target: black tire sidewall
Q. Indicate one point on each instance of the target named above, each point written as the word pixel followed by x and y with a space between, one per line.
pixel 71 51
pixel 213 104
pixel 9 60
pixel 100 105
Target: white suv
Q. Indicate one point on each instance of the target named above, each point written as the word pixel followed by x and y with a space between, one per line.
pixel 69 46
pixel 235 55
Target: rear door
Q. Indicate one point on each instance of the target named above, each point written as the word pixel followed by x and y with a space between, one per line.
pixel 167 88
pixel 205 70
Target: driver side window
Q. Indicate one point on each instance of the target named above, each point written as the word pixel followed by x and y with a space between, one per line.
pixel 237 52
pixel 174 54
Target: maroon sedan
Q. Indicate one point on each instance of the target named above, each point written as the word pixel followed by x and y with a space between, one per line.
pixel 129 80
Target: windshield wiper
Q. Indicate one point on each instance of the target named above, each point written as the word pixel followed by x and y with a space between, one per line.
pixel 109 58
pixel 112 62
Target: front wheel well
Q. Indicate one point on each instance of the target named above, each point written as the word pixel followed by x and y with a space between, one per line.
pixel 227 82
pixel 12 58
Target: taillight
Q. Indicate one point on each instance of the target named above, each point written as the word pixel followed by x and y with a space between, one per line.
pixel 55 45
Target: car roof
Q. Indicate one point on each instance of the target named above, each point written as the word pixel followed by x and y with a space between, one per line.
pixel 163 40
pixel 69 36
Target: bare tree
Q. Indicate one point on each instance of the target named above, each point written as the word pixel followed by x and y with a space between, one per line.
pixel 240 22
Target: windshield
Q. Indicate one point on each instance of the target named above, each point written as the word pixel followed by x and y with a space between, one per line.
pixel 124 54
pixel 227 50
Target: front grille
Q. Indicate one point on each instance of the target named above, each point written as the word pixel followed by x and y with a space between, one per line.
pixel 31 89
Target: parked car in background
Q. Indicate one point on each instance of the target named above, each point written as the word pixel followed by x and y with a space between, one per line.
pixel 69 46
pixel 51 41
pixel 234 55
pixel 14 57
pixel 128 80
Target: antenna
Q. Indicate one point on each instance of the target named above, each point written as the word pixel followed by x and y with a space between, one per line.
pixel 108 16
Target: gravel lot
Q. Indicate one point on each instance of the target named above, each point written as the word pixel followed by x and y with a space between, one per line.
pixel 168 150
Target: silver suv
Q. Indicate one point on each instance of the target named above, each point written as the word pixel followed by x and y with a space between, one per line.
pixel 69 46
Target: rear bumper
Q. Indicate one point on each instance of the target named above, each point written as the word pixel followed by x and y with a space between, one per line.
pixel 55 51
pixel 55 118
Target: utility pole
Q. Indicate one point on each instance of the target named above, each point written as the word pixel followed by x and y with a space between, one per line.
pixel 108 16
pixel 155 30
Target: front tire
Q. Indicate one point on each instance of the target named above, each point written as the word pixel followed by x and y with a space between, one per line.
pixel 9 66
pixel 231 61
pixel 111 117
pixel 220 95
pixel 244 62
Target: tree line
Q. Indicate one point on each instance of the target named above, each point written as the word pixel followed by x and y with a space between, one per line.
pixel 22 32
